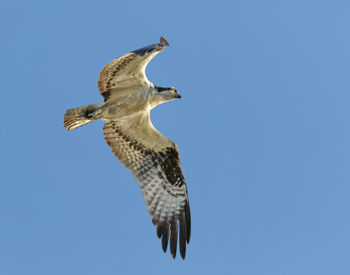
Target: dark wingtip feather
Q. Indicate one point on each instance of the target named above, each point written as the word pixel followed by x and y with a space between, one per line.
pixel 165 237
pixel 173 238
pixel 188 221
pixel 183 224
pixel 159 230
pixel 183 236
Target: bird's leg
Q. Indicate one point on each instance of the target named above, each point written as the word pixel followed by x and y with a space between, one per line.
pixel 95 111
pixel 97 114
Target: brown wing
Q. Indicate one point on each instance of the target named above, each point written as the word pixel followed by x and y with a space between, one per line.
pixel 128 70
pixel 158 171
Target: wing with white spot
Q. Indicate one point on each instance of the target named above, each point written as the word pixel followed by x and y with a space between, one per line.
pixel 155 163
pixel 128 70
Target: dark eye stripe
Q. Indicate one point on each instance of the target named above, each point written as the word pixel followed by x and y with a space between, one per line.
pixel 161 89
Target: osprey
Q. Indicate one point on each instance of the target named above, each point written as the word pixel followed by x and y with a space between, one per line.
pixel 152 158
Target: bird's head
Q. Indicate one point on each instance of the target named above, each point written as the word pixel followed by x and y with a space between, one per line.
pixel 164 94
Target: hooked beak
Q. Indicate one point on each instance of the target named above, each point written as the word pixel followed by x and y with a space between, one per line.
pixel 177 95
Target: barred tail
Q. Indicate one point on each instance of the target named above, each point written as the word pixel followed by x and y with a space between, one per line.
pixel 77 117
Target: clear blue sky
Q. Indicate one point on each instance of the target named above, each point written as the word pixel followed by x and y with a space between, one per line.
pixel 263 129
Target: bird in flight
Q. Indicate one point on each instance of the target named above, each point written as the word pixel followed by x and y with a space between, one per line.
pixel 152 158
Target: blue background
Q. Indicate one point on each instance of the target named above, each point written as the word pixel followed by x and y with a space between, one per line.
pixel 263 130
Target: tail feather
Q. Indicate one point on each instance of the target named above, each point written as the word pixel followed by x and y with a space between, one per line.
pixel 77 117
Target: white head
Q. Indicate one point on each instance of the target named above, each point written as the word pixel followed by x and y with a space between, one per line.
pixel 164 94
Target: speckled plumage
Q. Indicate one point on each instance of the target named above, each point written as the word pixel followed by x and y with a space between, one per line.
pixel 152 158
